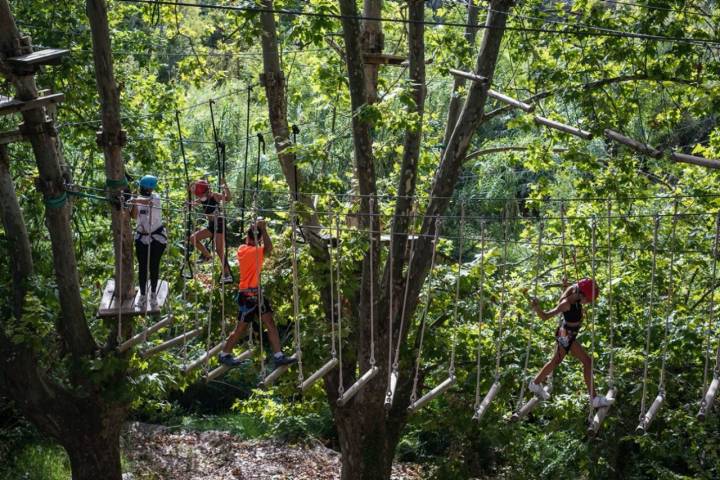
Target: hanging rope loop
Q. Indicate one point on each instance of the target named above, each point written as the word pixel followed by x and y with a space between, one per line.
pixel 649 314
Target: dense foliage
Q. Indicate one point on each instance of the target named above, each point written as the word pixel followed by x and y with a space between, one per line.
pixel 665 93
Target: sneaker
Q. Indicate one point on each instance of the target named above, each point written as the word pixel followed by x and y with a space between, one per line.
pixel 538 390
pixel 601 401
pixel 226 279
pixel 282 359
pixel 228 360
pixel 153 300
pixel 142 300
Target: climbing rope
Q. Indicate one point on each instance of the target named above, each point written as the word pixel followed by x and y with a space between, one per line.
pixel 480 313
pixel 296 295
pixel 423 319
pixel 503 302
pixel 396 360
pixel 649 313
pixel 538 266
pixel 671 301
pixel 372 280
pixel 391 308
pixel 453 346
pixel 611 318
pixel 593 252
pixel 341 386
pixel 710 315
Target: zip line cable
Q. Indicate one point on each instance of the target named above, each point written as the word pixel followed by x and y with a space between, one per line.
pixel 600 31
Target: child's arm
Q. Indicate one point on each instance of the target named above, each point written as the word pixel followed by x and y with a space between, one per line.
pixel 561 307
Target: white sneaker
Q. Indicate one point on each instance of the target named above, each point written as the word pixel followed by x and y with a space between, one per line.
pixel 141 301
pixel 602 401
pixel 226 279
pixel 153 300
pixel 538 390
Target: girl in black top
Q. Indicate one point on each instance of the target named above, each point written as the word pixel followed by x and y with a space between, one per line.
pixel 570 306
pixel 210 202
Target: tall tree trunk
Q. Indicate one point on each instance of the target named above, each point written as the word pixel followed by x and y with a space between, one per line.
pixel 112 139
pixel 82 417
pixel 373 41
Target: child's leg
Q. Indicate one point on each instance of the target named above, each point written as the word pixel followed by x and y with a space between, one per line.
pixel 577 351
pixel 235 336
pixel 156 251
pixel 141 252
pixel 273 334
pixel 556 359
pixel 197 238
pixel 220 249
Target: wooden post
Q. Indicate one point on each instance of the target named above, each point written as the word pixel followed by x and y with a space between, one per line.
pixel 275 374
pixel 203 358
pixel 695 160
pixel 600 415
pixel 483 407
pixel 511 101
pixel 321 372
pixel 709 398
pixel 640 147
pixel 112 139
pixel 585 135
pixel 435 392
pixel 142 336
pixel 355 387
pixel 171 343
pixel 650 414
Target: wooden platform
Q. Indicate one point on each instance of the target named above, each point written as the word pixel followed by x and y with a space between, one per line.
pixel 11 105
pixel 109 306
pixel 48 56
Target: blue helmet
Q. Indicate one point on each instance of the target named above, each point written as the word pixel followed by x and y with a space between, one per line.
pixel 149 182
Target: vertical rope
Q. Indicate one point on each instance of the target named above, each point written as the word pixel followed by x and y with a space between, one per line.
pixel 296 295
pixel 453 339
pixel 611 367
pixel 649 313
pixel 423 320
pixel 118 286
pixel 341 386
pixel 259 286
pixel 538 266
pixel 391 310
pixel 372 282
pixel 480 312
pixel 411 230
pixel 671 299
pixel 711 312
pixel 503 298
pixel 593 250
pixel 562 242
pixel 212 297
pixel 331 252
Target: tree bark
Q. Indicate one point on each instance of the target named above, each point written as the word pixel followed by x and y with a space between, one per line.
pixel 373 41
pixel 112 139
pixel 16 233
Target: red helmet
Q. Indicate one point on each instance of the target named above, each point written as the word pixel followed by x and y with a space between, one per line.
pixel 201 187
pixel 589 288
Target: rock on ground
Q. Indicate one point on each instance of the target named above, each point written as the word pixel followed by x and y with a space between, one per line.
pixel 158 453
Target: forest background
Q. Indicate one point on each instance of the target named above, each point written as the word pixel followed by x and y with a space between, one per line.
pixel 172 59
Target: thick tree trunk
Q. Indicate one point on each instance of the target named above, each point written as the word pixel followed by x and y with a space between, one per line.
pixel 112 139
pixel 373 41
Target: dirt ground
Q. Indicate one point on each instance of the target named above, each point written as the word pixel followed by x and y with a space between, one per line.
pixel 157 453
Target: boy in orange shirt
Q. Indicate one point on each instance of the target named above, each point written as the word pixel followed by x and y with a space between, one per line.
pixel 250 261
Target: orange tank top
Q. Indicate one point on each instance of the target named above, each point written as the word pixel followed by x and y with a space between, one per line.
pixel 250 261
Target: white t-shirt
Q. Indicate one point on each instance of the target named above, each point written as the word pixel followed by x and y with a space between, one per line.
pixel 149 220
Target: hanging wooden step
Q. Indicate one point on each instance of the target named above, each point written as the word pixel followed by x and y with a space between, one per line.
pixel 639 147
pixel 483 407
pixel 109 307
pixel 695 160
pixel 707 401
pixel 11 105
pixel 529 406
pixel 355 387
pixel 435 392
pixel 171 343
pixel 600 415
pixel 468 75
pixel 220 371
pixel 142 336
pixel 48 56
pixel 585 135
pixel 511 101
pixel 275 374
pixel 322 371
pixel 390 394
pixel 370 58
pixel 647 419
pixel 205 357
